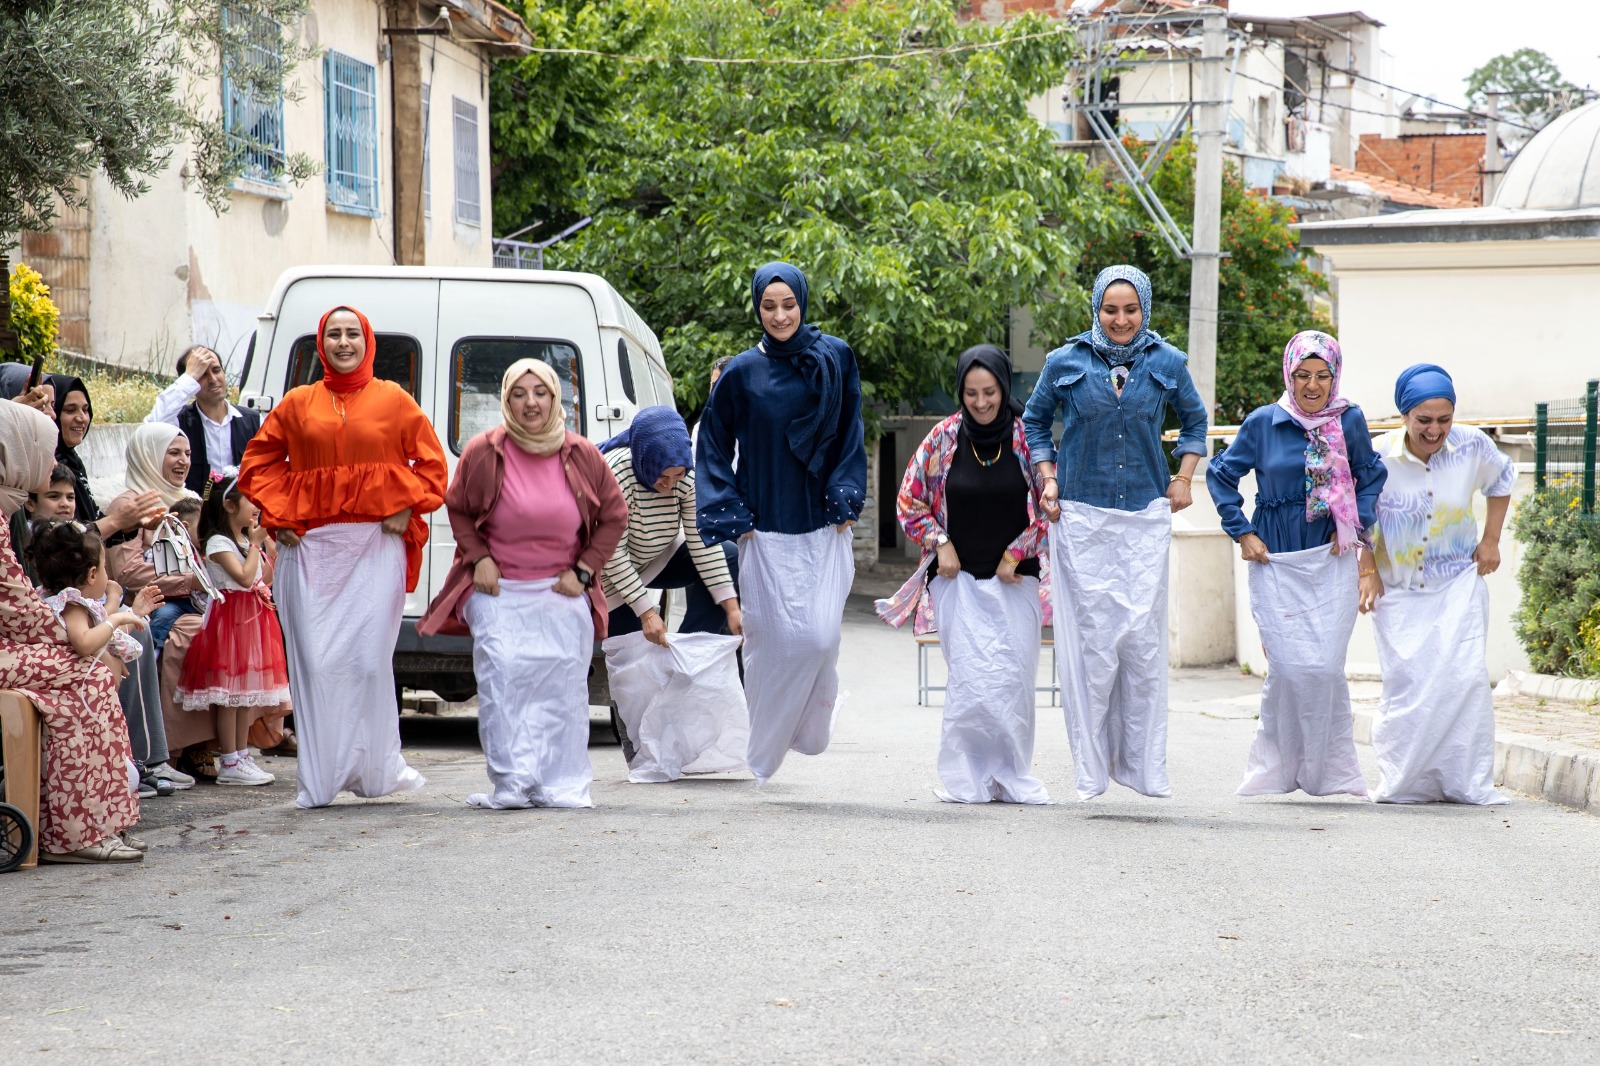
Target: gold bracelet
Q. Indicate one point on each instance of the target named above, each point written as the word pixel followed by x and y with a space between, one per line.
pixel 1183 478
pixel 1368 573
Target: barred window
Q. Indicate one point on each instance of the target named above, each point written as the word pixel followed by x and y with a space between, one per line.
pixel 468 205
pixel 252 115
pixel 351 93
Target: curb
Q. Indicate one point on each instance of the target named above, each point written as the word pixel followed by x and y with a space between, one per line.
pixel 1537 767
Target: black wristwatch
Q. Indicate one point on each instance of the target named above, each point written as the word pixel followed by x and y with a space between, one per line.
pixel 584 577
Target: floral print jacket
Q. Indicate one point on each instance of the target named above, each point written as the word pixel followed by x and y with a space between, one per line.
pixel 921 507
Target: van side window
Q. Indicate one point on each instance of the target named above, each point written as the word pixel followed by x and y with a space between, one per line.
pixel 663 387
pixel 478 363
pixel 398 359
pixel 625 368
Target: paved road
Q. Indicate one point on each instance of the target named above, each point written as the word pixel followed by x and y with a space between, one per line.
pixel 839 915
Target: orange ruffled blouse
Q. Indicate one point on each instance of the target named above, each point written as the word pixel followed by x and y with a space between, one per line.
pixel 310 466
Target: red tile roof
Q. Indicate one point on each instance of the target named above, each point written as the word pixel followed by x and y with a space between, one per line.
pixel 1397 192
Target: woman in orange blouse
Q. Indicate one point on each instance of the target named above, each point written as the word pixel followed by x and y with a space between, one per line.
pixel 344 469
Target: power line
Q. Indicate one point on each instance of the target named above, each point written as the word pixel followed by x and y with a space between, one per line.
pixel 804 61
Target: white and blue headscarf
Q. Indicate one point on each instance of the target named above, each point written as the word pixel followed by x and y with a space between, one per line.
pixel 1111 352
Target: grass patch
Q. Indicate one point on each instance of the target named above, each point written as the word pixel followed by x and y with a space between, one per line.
pixel 119 395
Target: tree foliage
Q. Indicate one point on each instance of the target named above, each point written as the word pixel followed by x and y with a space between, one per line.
pixel 1264 286
pixel 920 197
pixel 93 85
pixel 1536 91
pixel 34 316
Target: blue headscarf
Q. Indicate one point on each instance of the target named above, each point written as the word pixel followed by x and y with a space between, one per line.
pixel 1113 353
pixel 1425 381
pixel 658 440
pixel 813 355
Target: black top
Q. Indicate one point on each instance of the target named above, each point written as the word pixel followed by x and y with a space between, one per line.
pixel 987 509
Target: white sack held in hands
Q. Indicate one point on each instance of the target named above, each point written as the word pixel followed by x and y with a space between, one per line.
pixel 792 588
pixel 1434 734
pixel 1304 604
pixel 682 705
pixel 989 634
pixel 1109 578
pixel 341 592
pixel 530 650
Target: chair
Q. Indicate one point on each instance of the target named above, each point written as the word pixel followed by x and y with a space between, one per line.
pixel 21 738
pixel 925 686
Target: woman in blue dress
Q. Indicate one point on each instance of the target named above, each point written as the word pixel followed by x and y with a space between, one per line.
pixel 1317 485
pixel 790 410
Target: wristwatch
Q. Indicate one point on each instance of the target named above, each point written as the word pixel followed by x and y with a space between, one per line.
pixel 584 577
pixel 941 540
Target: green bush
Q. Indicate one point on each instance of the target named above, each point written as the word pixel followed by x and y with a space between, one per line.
pixel 1559 619
pixel 33 315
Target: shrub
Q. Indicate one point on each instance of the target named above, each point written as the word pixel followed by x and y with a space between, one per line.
pixel 1559 619
pixel 33 315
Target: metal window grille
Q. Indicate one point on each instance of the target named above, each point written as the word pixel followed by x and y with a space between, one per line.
pixel 468 200
pixel 351 146
pixel 253 122
pixel 427 153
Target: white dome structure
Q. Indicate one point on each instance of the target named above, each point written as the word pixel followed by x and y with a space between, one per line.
pixel 1559 169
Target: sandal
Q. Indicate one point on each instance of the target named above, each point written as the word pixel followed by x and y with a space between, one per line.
pixel 131 841
pixel 111 849
pixel 288 747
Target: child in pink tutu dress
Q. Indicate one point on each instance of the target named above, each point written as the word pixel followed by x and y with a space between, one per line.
pixel 236 664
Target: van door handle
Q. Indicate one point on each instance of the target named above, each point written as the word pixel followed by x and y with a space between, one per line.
pixel 602 413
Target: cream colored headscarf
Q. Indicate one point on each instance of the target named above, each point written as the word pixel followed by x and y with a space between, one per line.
pixel 27 453
pixel 146 448
pixel 548 440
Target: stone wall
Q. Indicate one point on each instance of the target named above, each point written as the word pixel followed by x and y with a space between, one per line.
pixel 866 544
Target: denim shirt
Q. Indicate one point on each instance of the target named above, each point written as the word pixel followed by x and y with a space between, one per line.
pixel 1111 453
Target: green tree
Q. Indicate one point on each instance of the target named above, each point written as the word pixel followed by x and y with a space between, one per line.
pixel 1536 91
pixel 1264 288
pixel 93 85
pixel 919 195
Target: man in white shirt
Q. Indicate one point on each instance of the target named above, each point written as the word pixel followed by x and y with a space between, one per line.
pixel 217 430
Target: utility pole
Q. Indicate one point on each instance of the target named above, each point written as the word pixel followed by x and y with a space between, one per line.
pixel 1210 121
pixel 404 33
pixel 1491 149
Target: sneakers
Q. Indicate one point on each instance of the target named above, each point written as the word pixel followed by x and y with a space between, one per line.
pixel 251 759
pixel 172 775
pixel 151 785
pixel 243 772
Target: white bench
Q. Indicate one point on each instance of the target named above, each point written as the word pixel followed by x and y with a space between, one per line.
pixel 925 686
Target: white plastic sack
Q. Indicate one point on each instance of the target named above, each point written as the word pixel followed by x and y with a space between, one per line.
pixel 1434 734
pixel 1304 604
pixel 340 593
pixel 683 705
pixel 531 648
pixel 792 588
pixel 1109 578
pixel 989 634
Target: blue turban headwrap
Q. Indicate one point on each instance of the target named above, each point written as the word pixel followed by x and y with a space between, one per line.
pixel 1425 381
pixel 658 440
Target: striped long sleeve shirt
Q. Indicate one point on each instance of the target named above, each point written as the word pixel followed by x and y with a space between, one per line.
pixel 658 524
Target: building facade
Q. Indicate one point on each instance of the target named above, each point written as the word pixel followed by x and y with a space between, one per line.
pixel 394 106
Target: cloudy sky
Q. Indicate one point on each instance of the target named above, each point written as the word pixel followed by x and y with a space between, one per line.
pixel 1434 44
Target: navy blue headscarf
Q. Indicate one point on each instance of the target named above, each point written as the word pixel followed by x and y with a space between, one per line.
pixel 813 354
pixel 658 440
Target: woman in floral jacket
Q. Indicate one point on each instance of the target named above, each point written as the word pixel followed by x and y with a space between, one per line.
pixel 977 513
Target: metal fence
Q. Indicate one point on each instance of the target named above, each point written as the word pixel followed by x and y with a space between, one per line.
pixel 1564 444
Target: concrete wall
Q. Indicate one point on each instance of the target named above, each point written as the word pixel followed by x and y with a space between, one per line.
pixel 1508 319
pixel 165 271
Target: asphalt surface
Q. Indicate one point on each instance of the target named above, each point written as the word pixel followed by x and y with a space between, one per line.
pixel 839 915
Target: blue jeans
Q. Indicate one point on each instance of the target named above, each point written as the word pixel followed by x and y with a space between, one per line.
pixel 702 613
pixel 163 617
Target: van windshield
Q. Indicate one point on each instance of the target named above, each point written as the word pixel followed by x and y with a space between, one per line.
pixel 478 363
pixel 396 360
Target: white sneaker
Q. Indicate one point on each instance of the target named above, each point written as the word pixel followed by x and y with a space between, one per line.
pixel 172 775
pixel 251 760
pixel 243 773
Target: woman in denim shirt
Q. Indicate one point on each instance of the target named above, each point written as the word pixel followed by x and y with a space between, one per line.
pixel 1113 385
pixel 1108 544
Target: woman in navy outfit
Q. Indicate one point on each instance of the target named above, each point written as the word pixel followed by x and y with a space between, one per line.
pixel 790 408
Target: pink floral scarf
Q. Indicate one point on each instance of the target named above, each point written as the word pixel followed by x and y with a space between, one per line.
pixel 1330 487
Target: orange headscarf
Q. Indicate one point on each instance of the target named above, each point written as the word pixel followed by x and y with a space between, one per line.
pixel 357 378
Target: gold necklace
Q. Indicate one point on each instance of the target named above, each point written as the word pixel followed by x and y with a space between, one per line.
pixel 981 460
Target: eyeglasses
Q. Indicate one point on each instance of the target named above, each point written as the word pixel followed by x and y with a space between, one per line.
pixel 1305 377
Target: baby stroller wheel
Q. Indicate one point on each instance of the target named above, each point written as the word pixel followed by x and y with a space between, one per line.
pixel 16 838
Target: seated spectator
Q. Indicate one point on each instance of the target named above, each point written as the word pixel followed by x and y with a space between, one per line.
pixel 197 403
pixel 86 802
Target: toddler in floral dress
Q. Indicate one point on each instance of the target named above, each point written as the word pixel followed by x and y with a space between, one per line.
pixel 71 561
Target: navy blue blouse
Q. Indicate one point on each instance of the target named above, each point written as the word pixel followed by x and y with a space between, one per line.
pixel 1272 444
pixel 771 490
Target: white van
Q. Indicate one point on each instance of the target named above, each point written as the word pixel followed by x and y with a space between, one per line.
pixel 447 335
